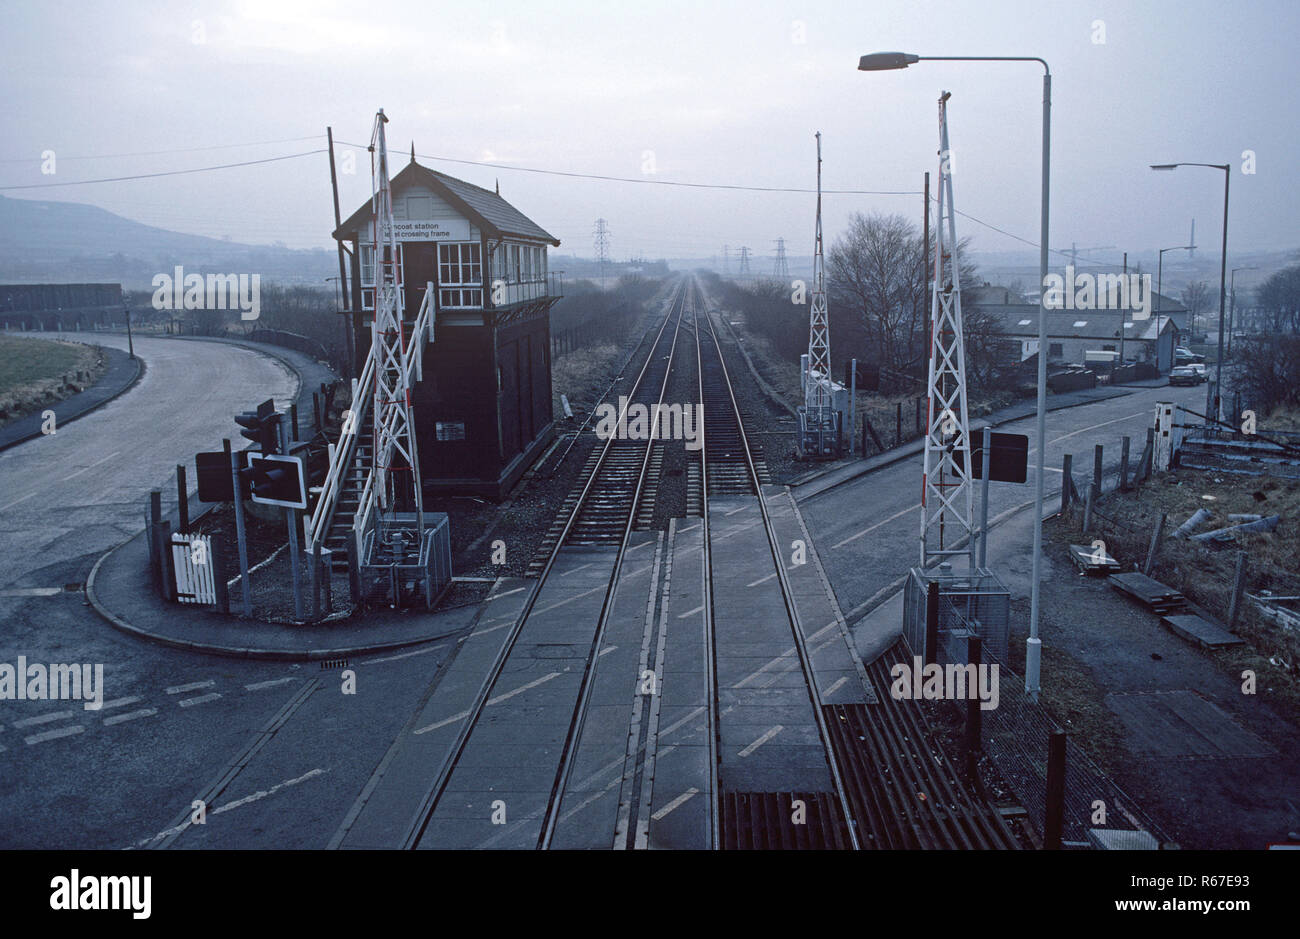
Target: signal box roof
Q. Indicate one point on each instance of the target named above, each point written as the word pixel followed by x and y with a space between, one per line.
pixel 484 208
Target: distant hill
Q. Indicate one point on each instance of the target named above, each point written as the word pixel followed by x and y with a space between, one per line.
pixel 59 242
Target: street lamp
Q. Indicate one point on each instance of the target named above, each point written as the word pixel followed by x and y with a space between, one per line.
pixel 1232 312
pixel 1223 271
pixel 885 61
pixel 1160 275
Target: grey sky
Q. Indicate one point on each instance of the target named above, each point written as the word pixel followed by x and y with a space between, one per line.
pixel 723 93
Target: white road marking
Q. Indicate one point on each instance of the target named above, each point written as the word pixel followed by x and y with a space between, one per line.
pixel 403 655
pixel 492 629
pixel 1095 426
pixel 676 803
pixel 192 686
pixel 201 699
pixel 522 688
pixel 576 596
pixel 272 683
pixel 761 580
pixel 43 719
pixel 685 720
pixel 500 595
pixel 867 531
pixel 263 793
pixel 497 700
pixel 260 794
pixel 129 716
pixel 691 612
pixel 16 501
pixel 734 511
pixel 768 735
pixel 836 686
pixel 118 703
pixel 575 570
pixel 443 723
pixel 32 592
pixel 90 467
pixel 782 658
pixel 55 734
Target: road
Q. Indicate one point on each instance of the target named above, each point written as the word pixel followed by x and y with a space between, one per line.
pixel 84 488
pixel 173 722
pixel 276 751
pixel 868 530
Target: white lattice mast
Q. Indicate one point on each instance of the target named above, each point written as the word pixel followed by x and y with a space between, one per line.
pixel 946 518
pixel 393 422
pixel 817 389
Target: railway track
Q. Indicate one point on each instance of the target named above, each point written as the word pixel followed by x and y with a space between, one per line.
pixel 658 688
pixel 601 515
pixel 731 466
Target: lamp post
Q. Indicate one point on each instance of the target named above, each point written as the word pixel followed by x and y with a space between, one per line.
pixel 885 61
pixel 1232 310
pixel 1160 274
pixel 1223 271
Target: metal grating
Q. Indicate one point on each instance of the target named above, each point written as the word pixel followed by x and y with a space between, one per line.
pixel 763 821
pixel 902 788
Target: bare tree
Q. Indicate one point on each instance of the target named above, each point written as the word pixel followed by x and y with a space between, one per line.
pixel 876 269
pixel 1196 298
pixel 1278 299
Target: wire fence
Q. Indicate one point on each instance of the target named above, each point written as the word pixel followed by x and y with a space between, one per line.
pixel 1016 736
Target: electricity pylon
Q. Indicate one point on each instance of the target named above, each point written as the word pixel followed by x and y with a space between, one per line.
pixel 602 247
pixel 780 269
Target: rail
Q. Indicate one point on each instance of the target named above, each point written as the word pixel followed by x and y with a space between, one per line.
pixel 796 627
pixel 424 813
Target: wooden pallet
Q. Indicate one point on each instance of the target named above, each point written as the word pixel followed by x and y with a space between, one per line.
pixel 1149 592
pixel 1092 561
pixel 1203 632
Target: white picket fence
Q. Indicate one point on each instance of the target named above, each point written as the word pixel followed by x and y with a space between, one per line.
pixel 195 574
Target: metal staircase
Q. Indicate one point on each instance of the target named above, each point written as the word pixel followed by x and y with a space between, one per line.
pixel 349 500
pixel 377 441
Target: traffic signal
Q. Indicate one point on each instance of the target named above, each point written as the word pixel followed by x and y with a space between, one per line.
pixel 213 476
pixel 276 480
pixel 261 426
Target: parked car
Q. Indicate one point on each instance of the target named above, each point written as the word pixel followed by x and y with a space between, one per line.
pixel 1185 356
pixel 1187 375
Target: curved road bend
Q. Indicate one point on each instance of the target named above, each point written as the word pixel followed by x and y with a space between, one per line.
pixel 172 721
